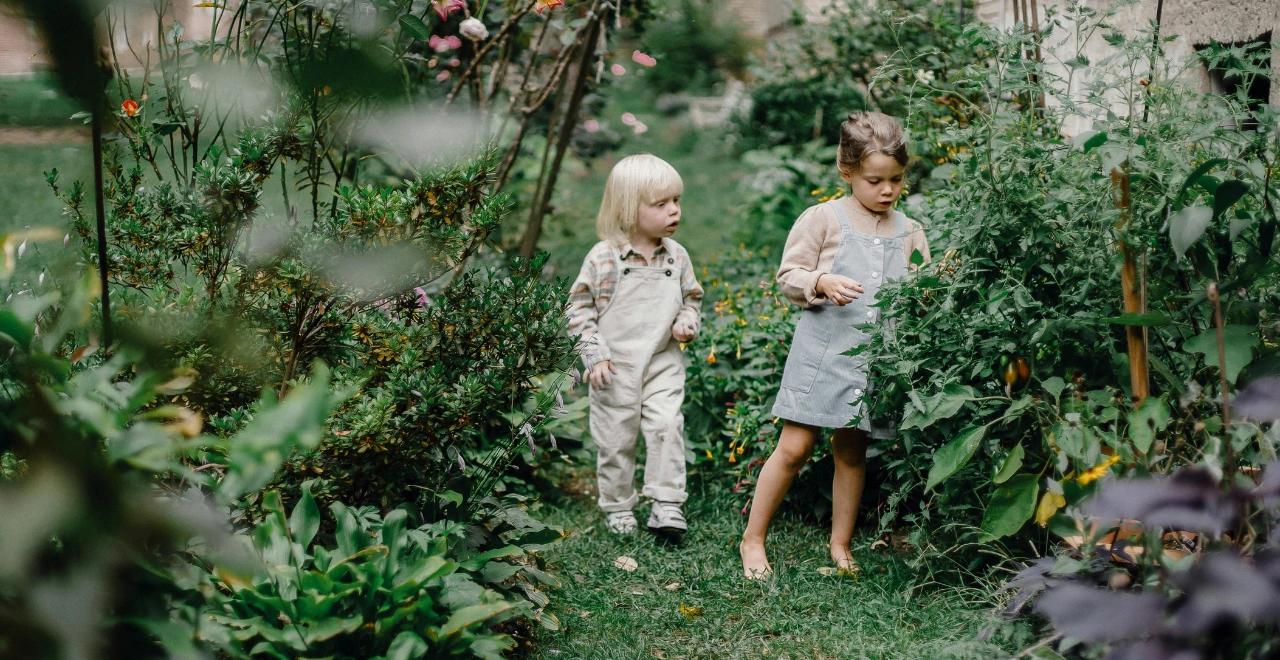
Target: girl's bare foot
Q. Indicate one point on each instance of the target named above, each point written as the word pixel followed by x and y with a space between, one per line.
pixel 843 559
pixel 755 563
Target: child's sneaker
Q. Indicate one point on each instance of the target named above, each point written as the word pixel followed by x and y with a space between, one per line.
pixel 667 518
pixel 621 522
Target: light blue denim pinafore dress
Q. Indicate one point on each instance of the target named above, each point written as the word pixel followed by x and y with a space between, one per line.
pixel 820 385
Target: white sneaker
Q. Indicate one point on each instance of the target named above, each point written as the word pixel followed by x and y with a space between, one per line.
pixel 667 518
pixel 621 522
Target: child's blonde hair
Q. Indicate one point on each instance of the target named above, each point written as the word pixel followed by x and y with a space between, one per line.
pixel 866 133
pixel 635 180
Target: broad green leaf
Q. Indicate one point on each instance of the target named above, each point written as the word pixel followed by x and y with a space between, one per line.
pixel 471 615
pixel 1238 342
pixel 940 406
pixel 415 27
pixel 1012 463
pixel 917 258
pixel 1148 419
pixel 1187 226
pixel 1011 506
pixel 953 455
pixel 407 646
pixel 304 521
pixel 349 536
pixel 1227 194
pixel 1054 386
pixel 1090 140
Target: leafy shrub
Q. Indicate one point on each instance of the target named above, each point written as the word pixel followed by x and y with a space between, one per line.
pixel 1006 364
pixel 380 590
pixel 696 48
pixel 806 86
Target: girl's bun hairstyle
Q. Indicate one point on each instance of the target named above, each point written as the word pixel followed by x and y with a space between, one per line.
pixel 866 133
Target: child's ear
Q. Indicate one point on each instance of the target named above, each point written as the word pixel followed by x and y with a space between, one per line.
pixel 847 174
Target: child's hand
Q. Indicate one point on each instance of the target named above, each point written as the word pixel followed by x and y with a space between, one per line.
pixel 683 331
pixel 601 375
pixel 838 289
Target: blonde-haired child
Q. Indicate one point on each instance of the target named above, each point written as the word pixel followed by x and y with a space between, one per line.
pixel 634 301
pixel 837 256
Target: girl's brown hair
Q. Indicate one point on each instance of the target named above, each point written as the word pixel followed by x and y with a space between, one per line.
pixel 866 133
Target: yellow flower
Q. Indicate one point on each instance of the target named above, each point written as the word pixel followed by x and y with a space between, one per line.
pixel 709 456
pixel 1098 471
pixel 733 458
pixel 1050 502
pixel 740 448
pixel 711 357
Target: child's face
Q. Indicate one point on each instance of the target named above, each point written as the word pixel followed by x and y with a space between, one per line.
pixel 659 218
pixel 877 182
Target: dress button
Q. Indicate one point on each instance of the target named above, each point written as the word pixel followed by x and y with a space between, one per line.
pixel 875 275
pixel 626 271
pixel 668 272
pixel 871 315
pixel 857 392
pixel 876 241
pixel 671 260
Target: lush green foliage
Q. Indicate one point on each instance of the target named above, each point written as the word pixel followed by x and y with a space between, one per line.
pixel 1006 362
pixel 808 85
pixel 697 47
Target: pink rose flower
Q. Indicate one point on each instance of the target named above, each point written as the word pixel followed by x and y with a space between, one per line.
pixel 473 29
pixel 591 126
pixel 443 44
pixel 618 70
pixel 445 7
pixel 628 119
pixel 643 59
pixel 443 75
pixel 640 128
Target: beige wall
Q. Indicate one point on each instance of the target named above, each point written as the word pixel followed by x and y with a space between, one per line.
pixel 1191 22
pixel 23 53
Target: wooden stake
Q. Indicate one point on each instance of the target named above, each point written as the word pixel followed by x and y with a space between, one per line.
pixel 1131 289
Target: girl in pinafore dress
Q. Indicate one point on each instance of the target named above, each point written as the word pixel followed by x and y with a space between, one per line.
pixel 634 301
pixel 837 256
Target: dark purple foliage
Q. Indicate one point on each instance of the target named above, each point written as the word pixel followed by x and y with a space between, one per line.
pixel 1260 401
pixel 1224 586
pixel 1189 500
pixel 1098 615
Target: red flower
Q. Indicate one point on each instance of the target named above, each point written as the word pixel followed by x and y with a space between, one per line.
pixel 129 107
pixel 540 6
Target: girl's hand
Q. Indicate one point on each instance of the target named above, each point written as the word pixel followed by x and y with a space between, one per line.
pixel 601 374
pixel 682 331
pixel 838 289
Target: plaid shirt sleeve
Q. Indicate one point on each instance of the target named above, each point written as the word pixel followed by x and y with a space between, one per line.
pixel 589 293
pixel 691 311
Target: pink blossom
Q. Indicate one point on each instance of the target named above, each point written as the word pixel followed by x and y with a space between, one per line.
pixel 643 59
pixel 442 44
pixel 423 301
pixel 443 75
pixel 640 127
pixel 591 126
pixel 618 70
pixel 628 119
pixel 454 62
pixel 445 7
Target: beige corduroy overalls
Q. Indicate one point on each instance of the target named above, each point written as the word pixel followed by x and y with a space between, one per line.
pixel 646 393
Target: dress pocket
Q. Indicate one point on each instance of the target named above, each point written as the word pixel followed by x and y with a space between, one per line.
pixel 808 350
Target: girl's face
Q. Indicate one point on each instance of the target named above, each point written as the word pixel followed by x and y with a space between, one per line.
pixel 877 182
pixel 659 218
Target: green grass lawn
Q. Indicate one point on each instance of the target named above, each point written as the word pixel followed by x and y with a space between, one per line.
pixel 690 601
pixel 34 101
